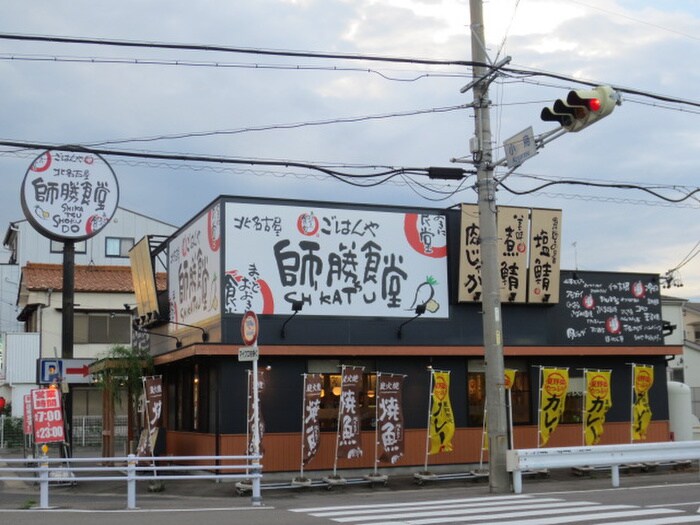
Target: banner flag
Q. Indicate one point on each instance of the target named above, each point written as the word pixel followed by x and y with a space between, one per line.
pixel 390 421
pixel 643 379
pixel 555 384
pixel 251 414
pixel 509 378
pixel 349 444
pixel 442 421
pixel 153 398
pixel 311 433
pixel 598 402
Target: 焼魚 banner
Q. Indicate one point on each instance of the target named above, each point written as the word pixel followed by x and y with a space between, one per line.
pixel 311 434
pixel 349 443
pixel 390 421
pixel 343 262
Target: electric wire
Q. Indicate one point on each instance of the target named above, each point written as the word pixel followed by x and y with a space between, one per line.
pixel 294 125
pixel 599 185
pixel 224 65
pixel 231 49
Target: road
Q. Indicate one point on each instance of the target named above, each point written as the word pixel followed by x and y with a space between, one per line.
pixel 642 499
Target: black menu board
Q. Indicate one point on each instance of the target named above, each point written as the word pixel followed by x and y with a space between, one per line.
pixel 610 309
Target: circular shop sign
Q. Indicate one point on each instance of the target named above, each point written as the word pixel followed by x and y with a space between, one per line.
pixel 249 328
pixel 69 195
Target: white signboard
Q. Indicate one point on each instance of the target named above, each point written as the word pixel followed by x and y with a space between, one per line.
pixel 520 147
pixel 337 262
pixel 193 271
pixel 72 371
pixel 248 353
pixel 69 195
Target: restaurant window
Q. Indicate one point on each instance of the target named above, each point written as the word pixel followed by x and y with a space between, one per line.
pixel 190 387
pixel 331 389
pixel 520 393
pixel 573 406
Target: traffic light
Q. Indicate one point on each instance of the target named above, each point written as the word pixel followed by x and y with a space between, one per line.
pixel 582 107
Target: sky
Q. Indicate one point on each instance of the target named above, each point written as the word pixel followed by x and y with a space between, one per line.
pixel 345 113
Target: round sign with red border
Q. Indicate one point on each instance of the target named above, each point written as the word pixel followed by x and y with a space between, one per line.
pixel 249 328
pixel 69 195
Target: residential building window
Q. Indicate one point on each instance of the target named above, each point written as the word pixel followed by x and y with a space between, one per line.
pixel 102 328
pixel 118 246
pixel 57 247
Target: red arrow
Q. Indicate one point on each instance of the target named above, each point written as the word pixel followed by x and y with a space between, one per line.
pixel 83 371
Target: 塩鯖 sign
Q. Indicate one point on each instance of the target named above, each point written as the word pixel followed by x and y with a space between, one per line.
pixel 69 196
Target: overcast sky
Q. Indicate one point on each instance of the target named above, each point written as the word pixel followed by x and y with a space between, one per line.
pixel 88 94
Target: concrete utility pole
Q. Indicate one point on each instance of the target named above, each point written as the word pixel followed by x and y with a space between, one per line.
pixel 491 300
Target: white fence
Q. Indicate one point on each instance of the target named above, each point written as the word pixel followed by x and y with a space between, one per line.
pixel 611 456
pixel 131 469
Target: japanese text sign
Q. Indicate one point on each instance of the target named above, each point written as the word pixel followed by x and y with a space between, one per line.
pixel 47 415
pixel 338 262
pixel 69 196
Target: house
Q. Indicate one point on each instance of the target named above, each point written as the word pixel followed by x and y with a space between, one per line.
pixel 103 286
pixel 691 352
pixel 382 289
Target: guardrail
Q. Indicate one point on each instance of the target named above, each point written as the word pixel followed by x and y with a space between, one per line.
pixel 611 456
pixel 131 469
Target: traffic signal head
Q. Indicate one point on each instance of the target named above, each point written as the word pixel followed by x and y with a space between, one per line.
pixel 582 107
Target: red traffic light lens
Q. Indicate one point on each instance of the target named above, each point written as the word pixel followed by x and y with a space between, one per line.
pixel 594 104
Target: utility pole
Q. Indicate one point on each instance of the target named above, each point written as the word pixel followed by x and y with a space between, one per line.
pixel 491 301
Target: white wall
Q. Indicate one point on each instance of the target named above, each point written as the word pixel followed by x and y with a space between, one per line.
pixel 51 321
pixel 9 282
pixel 34 247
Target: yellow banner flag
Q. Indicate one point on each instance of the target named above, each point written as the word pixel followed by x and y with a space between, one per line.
pixel 555 384
pixel 442 420
pixel 643 377
pixel 509 378
pixel 598 402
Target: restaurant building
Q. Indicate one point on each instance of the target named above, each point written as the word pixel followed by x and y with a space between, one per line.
pixel 392 290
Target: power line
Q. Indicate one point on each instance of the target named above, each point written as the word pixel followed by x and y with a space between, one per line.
pixel 229 49
pixel 620 186
pixel 295 125
pixel 222 65
pixel 633 19
pixel 328 55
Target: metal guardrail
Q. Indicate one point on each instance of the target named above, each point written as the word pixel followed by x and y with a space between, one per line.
pixel 131 469
pixel 611 456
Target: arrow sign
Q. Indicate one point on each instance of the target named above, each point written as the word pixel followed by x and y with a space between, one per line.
pixel 82 371
pixel 71 371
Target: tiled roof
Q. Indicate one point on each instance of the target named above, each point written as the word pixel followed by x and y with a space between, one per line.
pixel 39 276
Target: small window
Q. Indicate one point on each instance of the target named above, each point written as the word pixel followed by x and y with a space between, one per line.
pixel 57 247
pixel 118 246
pixel 102 328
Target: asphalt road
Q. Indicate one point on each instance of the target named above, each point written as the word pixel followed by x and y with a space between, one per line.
pixel 661 496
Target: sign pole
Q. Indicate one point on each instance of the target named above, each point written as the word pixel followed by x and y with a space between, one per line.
pixel 68 300
pixel 249 334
